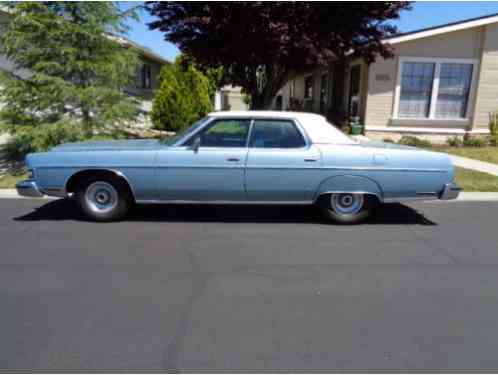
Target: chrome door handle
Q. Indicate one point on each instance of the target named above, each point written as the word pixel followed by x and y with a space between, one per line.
pixel 233 159
pixel 310 160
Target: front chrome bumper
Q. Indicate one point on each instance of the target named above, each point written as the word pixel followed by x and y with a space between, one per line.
pixel 450 191
pixel 28 188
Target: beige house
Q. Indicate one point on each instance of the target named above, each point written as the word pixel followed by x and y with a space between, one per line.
pixel 230 98
pixel 442 81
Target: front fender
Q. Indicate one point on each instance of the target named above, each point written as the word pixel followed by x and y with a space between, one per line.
pixel 349 184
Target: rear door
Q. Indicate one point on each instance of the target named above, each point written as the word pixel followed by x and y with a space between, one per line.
pixel 281 164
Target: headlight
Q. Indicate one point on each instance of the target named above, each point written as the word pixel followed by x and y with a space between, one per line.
pixel 31 174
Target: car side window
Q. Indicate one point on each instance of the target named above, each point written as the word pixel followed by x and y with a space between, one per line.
pixel 223 133
pixel 276 134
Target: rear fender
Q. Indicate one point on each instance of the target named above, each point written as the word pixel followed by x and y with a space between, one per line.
pixel 349 184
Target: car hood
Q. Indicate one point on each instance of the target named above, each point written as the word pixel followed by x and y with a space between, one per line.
pixel 120 145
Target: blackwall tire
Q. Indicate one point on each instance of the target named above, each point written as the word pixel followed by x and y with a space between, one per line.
pixel 346 208
pixel 103 199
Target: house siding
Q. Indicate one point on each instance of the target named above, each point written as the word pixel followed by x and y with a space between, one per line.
pixel 381 85
pixel 383 73
pixel 487 93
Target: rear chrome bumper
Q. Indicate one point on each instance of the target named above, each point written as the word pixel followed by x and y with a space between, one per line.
pixel 450 191
pixel 28 188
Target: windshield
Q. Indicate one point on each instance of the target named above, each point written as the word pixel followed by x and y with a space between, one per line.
pixel 170 141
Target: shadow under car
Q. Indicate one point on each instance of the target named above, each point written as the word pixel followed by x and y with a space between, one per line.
pixel 67 209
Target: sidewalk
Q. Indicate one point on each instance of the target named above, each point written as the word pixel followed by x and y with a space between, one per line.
pixel 476 165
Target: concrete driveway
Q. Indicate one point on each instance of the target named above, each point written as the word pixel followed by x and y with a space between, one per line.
pixel 189 288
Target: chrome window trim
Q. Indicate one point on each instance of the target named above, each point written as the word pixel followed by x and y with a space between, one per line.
pixel 307 140
pixel 179 143
pixel 189 136
pixel 249 134
pixel 299 127
pixel 305 135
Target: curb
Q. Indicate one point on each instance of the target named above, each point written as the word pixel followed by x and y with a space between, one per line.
pixel 12 194
pixel 477 196
pixel 463 197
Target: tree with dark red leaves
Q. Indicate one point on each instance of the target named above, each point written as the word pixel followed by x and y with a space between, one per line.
pixel 262 45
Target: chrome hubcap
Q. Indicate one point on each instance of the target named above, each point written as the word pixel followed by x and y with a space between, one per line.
pixel 346 203
pixel 101 197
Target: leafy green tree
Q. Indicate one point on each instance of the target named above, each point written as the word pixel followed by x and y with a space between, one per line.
pixel 182 98
pixel 264 44
pixel 70 72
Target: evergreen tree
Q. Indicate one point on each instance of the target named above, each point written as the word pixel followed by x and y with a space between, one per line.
pixel 182 97
pixel 70 72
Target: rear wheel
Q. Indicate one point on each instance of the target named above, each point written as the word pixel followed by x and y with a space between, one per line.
pixel 103 198
pixel 346 208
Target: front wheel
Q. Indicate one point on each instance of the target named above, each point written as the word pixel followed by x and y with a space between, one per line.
pixel 346 208
pixel 103 199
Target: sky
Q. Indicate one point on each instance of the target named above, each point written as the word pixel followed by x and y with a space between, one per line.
pixel 424 14
pixel 152 39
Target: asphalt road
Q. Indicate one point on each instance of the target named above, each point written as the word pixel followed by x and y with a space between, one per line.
pixel 185 288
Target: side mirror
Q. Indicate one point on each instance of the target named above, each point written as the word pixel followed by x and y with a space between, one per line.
pixel 196 143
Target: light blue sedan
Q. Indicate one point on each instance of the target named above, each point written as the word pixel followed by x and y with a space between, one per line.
pixel 252 157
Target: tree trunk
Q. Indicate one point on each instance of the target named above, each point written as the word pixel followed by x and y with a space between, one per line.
pixel 264 99
pixel 87 124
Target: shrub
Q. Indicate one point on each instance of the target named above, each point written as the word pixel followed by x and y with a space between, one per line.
pixel 409 140
pixel 41 137
pixel 388 140
pixel 182 97
pixel 493 130
pixel 454 141
pixel 474 142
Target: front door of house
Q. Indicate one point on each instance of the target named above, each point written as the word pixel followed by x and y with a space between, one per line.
pixel 323 92
pixel 354 91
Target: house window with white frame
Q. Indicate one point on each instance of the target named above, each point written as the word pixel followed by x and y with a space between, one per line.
pixel 437 89
pixel 454 90
pixel 416 89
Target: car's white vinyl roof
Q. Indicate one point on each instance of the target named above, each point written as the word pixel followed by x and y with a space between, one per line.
pixel 316 126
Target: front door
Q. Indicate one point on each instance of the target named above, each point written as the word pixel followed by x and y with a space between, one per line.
pixel 281 166
pixel 323 92
pixel 213 172
pixel 354 91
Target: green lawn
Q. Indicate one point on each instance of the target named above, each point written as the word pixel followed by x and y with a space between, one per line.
pixel 9 181
pixel 470 180
pixel 489 154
